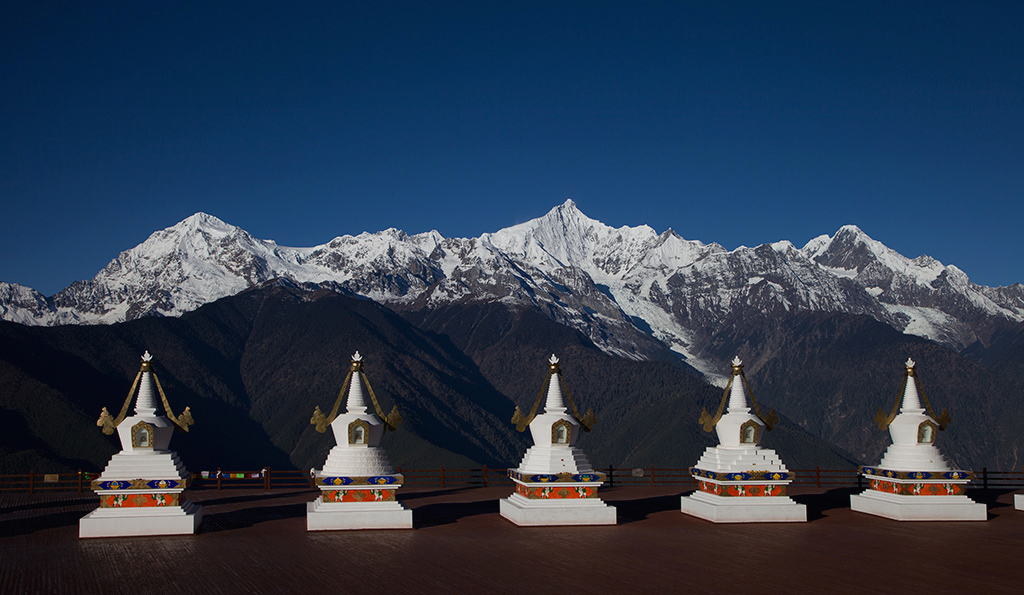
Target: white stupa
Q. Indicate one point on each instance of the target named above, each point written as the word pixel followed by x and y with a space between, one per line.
pixel 357 484
pixel 555 484
pixel 913 482
pixel 737 481
pixel 141 488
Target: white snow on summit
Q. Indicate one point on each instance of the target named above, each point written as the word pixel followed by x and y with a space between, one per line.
pixel 617 285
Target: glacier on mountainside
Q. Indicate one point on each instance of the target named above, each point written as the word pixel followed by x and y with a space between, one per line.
pixel 625 288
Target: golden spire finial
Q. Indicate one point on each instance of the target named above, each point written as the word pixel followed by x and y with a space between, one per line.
pixel 182 422
pixel 521 421
pixel 709 421
pixel 321 421
pixel 910 371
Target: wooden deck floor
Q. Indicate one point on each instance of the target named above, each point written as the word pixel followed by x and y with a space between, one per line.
pixel 253 541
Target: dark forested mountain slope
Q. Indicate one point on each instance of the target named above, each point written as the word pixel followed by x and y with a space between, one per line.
pixel 252 367
pixel 831 372
pixel 647 411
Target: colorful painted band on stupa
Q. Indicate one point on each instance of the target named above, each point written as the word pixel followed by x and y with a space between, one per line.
pixel 741 490
pixel 957 475
pixel 742 475
pixel 359 495
pixel 595 477
pixel 556 492
pixel 395 479
pixel 142 484
pixel 143 500
pixel 917 488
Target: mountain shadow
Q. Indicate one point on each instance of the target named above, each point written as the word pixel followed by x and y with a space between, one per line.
pixel 830 373
pixel 646 411
pixel 252 367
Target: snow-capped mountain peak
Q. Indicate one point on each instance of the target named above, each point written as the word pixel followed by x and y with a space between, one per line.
pixel 918 292
pixel 202 220
pixel 562 237
pixel 629 288
pixel 567 237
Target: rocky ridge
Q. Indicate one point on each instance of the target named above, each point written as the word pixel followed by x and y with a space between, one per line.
pixel 634 292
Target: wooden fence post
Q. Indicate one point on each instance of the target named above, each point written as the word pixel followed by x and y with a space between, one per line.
pixel 984 478
pixel 31 482
pixel 79 481
pixel 266 478
pixel 442 476
pixel 485 476
pixel 652 476
pixel 218 478
pixel 611 477
pixel 817 475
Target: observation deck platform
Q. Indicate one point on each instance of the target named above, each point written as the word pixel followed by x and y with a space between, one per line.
pixel 255 541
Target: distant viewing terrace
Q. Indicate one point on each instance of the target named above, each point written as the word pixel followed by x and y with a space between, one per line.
pixel 254 540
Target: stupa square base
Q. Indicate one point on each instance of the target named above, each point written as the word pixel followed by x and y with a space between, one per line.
pixel 341 516
pixel 529 512
pixel 1018 501
pixel 743 509
pixel 133 522
pixel 918 508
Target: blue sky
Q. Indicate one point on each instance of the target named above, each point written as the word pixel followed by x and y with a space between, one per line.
pixel 738 123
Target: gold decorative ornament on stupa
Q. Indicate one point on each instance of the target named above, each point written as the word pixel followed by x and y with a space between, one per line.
pixel 709 422
pixel 910 375
pixel 739 481
pixel 522 421
pixel 357 482
pixel 181 422
pixel 141 489
pixel 555 483
pixel 914 481
pixel 321 421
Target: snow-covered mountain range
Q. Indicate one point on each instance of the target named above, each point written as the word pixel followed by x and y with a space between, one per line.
pixel 632 290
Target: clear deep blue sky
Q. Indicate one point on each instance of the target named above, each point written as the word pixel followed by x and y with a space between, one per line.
pixel 733 122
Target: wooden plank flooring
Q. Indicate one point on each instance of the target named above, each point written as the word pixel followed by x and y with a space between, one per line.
pixel 253 541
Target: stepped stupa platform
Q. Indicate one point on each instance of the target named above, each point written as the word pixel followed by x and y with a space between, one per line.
pixel 738 481
pixel 555 483
pixel 913 481
pixel 357 483
pixel 141 490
